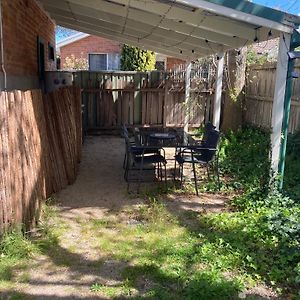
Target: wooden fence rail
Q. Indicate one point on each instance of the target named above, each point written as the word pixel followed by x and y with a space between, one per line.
pixel 40 146
pixel 259 97
pixel 141 99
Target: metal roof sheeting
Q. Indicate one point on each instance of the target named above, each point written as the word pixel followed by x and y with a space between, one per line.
pixel 186 29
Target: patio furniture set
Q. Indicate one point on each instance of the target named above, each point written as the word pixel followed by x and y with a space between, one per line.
pixel 145 153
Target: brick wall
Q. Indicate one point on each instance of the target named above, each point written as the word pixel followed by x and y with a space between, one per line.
pixel 89 44
pixel 23 22
pixel 172 62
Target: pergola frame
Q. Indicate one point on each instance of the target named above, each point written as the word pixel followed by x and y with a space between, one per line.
pixel 190 29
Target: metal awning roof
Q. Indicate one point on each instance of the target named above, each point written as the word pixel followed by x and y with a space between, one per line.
pixel 187 29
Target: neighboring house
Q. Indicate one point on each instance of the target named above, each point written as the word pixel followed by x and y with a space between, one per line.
pixel 268 48
pixel 28 44
pixel 100 53
pixel 172 62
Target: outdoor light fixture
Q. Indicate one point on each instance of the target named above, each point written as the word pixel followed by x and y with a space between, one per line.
pixel 294 54
pixel 270 33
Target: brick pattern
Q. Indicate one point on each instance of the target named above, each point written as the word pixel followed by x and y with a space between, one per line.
pixel 89 44
pixel 265 47
pixel 23 22
pixel 172 62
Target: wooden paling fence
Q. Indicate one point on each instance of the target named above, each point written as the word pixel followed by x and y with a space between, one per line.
pixel 140 99
pixel 259 97
pixel 40 147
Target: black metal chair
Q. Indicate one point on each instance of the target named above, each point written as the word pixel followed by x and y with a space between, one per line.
pixel 135 143
pixel 140 159
pixel 208 127
pixel 204 154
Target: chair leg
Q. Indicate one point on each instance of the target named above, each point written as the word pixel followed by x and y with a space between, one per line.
pixel 207 169
pixel 160 169
pixel 195 178
pixel 181 176
pixel 165 174
pixel 140 175
pixel 124 161
pixel 175 169
pixel 126 169
pixel 218 174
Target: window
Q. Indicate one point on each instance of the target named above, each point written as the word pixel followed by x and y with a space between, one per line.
pixel 104 62
pixel 50 52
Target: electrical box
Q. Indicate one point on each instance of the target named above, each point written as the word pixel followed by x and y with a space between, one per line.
pixel 58 79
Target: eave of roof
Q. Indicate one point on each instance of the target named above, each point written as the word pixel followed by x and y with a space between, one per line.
pixel 71 39
pixel 187 29
pixel 258 10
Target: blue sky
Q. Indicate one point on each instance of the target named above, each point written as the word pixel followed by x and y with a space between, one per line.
pixel 291 6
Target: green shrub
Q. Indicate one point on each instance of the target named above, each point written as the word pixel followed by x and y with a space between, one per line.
pixel 292 167
pixel 136 59
pixel 269 218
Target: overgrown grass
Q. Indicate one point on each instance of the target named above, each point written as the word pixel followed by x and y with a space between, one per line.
pixel 292 168
pixel 161 254
pixel 266 224
pixel 17 248
pixel 164 259
pixel 220 255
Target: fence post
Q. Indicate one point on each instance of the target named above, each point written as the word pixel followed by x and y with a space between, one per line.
pixel 165 100
pixel 295 41
pixel 218 92
pixel 187 95
pixel 279 96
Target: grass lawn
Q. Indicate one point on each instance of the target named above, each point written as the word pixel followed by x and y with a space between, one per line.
pixel 155 255
pixel 149 249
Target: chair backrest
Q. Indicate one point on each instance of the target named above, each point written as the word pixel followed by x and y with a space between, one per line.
pixel 211 142
pixel 208 128
pixel 124 130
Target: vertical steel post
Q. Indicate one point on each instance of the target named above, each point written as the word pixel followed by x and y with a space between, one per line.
pixel 218 92
pixel 295 42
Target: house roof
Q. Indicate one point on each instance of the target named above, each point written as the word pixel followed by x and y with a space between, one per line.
pixel 61 33
pixel 71 39
pixel 187 29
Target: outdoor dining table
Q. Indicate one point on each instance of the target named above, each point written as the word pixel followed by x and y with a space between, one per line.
pixel 165 138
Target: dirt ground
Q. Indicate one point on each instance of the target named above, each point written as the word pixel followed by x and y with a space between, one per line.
pixel 99 191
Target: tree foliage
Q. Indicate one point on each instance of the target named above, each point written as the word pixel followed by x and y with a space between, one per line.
pixel 74 63
pixel 255 59
pixel 136 59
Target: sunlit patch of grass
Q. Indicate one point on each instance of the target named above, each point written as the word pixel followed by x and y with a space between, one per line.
pixel 121 290
pixel 160 249
pixel 17 249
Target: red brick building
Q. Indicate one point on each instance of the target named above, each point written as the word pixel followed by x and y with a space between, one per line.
pixel 28 44
pixel 99 53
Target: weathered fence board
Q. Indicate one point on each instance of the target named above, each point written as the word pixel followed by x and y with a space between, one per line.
pixel 40 146
pixel 141 99
pixel 259 97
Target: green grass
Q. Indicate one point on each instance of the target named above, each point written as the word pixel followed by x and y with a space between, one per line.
pixel 178 263
pixel 159 254
pixel 216 258
pixel 17 249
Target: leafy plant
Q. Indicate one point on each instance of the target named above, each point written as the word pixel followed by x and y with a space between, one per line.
pixel 136 59
pixel 75 63
pixel 253 58
pixel 292 167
